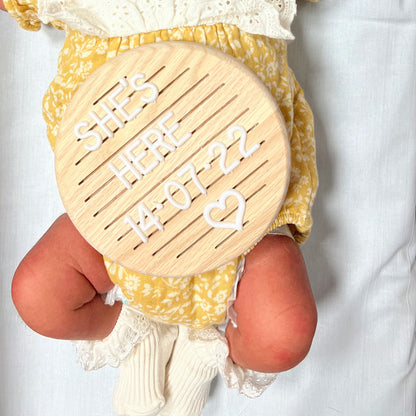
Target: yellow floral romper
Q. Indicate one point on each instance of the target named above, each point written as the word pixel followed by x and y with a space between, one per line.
pixel 201 300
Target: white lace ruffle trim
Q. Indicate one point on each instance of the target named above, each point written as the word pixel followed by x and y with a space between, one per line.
pixel 109 18
pixel 248 382
pixel 132 327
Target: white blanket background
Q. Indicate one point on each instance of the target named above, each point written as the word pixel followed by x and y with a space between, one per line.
pixel 356 62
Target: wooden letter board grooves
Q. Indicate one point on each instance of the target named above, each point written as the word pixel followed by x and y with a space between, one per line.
pixel 172 159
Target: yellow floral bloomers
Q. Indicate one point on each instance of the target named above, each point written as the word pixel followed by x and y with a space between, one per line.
pixel 200 300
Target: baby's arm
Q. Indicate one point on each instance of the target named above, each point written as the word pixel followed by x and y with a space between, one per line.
pixel 2 5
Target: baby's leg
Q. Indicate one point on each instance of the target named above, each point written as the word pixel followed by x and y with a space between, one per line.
pixel 58 285
pixel 276 313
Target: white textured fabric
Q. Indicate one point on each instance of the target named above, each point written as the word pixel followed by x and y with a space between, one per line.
pixel 109 18
pixel 191 369
pixel 248 382
pixel 140 388
pixel 131 328
pixel 282 230
pixel 114 295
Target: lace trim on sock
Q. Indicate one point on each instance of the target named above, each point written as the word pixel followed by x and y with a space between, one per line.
pixel 248 382
pixel 129 330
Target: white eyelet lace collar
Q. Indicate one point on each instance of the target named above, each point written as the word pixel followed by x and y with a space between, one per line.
pixel 109 18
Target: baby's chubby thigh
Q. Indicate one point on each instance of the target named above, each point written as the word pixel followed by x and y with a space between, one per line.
pixel 276 312
pixel 58 285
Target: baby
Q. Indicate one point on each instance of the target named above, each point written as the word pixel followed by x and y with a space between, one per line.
pixel 169 355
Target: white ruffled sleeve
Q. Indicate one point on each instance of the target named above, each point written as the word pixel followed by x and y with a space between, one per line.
pixel 110 18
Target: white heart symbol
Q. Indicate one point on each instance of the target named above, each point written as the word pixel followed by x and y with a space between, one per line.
pixel 221 204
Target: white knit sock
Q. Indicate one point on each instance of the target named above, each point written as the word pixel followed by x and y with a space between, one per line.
pixel 139 390
pixel 191 369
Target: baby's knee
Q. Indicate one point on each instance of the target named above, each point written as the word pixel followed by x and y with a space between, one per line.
pixel 24 293
pixel 276 312
pixel 275 345
pixel 33 300
pixel 291 337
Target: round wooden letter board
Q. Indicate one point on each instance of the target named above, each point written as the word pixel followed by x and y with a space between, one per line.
pixel 172 159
